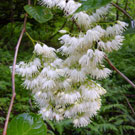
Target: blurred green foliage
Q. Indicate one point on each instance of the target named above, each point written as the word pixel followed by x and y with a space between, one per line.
pixel 115 116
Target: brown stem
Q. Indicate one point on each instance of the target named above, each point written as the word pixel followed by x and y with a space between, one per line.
pixel 121 74
pixel 122 10
pixel 74 21
pixel 30 103
pixel 13 74
pixel 13 78
pixel 58 30
pixel 130 106
pixel 130 95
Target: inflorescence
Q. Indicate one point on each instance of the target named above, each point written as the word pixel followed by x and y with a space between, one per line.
pixel 63 88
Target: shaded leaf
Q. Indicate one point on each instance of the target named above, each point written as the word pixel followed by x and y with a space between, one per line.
pixel 106 127
pixel 92 4
pixel 39 13
pixel 27 124
pixel 112 106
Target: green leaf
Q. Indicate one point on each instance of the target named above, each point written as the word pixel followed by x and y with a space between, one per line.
pixel 50 132
pixel 50 124
pixel 92 4
pixel 27 124
pixel 112 106
pixel 59 128
pixel 106 127
pixel 61 125
pixel 39 13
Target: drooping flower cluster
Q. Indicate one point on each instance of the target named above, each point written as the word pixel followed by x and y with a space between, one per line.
pixel 64 88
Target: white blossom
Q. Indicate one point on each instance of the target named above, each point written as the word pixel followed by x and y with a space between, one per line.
pixel 81 121
pixel 77 76
pixel 62 4
pixel 109 46
pixel 24 69
pixel 46 113
pixel 48 51
pixel 49 84
pixel 67 84
pixel 117 29
pixel 62 87
pixel 86 21
pixel 57 62
pixel 70 98
pixel 92 58
pixel 90 93
pixel 91 36
pixel 38 49
pixel 100 73
pixel 62 31
pixel 49 3
pixel 71 7
pixel 99 29
pixel 57 117
pixel 83 19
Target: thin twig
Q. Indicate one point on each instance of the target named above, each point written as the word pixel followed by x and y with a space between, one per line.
pixel 129 81
pixel 121 74
pixel 13 77
pixel 130 106
pixel 128 95
pixel 122 10
pixel 74 21
pixel 13 74
pixel 30 103
pixel 58 30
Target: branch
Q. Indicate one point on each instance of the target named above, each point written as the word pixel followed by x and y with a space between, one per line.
pixel 121 74
pixel 130 106
pixel 74 21
pixel 30 103
pixel 58 30
pixel 13 74
pixel 13 77
pixel 122 10
pixel 130 95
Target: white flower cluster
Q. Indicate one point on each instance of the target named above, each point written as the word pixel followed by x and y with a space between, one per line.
pixel 64 88
pixel 85 21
